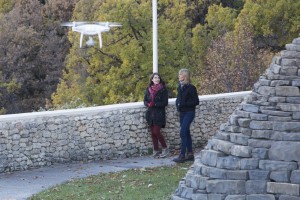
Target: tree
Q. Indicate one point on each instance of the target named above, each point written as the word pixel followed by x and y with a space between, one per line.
pixel 32 48
pixel 219 21
pixel 275 22
pixel 6 6
pixel 233 63
pixel 119 72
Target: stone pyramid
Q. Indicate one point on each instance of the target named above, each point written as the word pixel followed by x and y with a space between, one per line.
pixel 256 154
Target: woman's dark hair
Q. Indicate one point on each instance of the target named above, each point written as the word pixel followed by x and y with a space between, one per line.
pixel 151 77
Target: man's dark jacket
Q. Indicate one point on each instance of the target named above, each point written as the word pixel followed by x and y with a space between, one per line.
pixel 187 98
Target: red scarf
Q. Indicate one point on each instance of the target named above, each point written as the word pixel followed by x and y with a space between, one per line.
pixel 153 89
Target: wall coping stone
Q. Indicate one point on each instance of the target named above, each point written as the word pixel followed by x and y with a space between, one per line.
pixel 96 109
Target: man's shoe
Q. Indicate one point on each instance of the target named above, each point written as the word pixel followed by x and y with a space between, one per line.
pixel 155 154
pixel 180 159
pixel 165 153
pixel 190 157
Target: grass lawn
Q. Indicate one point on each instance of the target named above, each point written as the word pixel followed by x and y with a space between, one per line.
pixel 140 184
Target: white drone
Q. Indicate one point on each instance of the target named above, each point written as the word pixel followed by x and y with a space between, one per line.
pixel 91 28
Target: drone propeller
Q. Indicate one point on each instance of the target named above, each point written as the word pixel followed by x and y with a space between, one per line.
pixel 73 24
pixel 110 24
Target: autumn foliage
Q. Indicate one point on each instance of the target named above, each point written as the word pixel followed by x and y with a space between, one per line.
pixel 226 44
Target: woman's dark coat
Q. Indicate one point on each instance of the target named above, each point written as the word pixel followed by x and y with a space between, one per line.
pixel 156 115
pixel 187 98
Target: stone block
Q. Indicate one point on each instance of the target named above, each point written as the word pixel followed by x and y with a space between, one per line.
pixel 280 83
pixel 260 143
pixel 287 197
pixel 223 127
pixel 243 114
pixel 296 116
pixel 266 90
pixel 217 173
pixel 233 120
pixel 261 134
pixel 237 175
pixel 178 198
pixel 197 166
pixel 209 157
pixel 259 174
pixel 239 138
pixel 277 99
pixel 229 187
pixel 285 151
pixel 295 177
pixel 228 162
pixel 258 117
pixel 233 129
pixel 179 188
pixel 288 67
pixel 198 182
pixel 244 122
pixel 286 126
pixel 276 113
pixel 261 125
pixel 280 119
pixel 186 192
pixel 275 68
pixel 289 54
pixel 260 197
pixel 286 136
pixel 241 151
pixel 277 165
pixel 205 171
pixel 250 108
pixel 249 163
pixel 200 196
pixel 187 179
pixel 216 196
pixel 296 83
pixel 256 187
pixel 295 100
pixel 289 107
pixel 264 82
pixel 280 176
pixel 283 188
pixel 292 47
pixel 281 77
pixel 246 131
pixel 222 135
pixel 276 60
pixel 223 146
pixel 296 41
pixel 287 91
pixel 235 197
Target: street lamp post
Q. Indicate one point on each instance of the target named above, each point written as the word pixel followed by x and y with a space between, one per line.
pixel 154 27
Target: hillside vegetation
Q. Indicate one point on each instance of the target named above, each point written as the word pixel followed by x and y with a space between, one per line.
pixel 226 44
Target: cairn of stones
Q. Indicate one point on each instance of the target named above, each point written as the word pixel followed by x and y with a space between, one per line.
pixel 255 155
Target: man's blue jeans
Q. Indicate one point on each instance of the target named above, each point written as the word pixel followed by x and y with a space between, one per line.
pixel 186 118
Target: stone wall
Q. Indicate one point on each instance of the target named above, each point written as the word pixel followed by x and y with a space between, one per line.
pixel 37 139
pixel 255 155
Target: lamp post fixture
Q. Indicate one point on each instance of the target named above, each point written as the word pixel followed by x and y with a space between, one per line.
pixel 154 29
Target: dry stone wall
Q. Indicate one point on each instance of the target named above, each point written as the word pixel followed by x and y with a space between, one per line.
pixel 37 139
pixel 255 155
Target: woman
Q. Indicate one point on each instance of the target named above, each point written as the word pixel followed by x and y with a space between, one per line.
pixel 156 99
pixel 186 102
